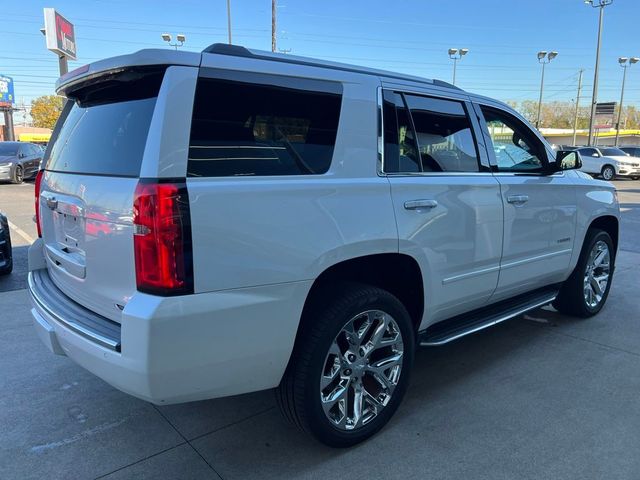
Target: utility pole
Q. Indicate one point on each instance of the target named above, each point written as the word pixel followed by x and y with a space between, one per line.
pixel 575 118
pixel 594 98
pixel 229 19
pixel 273 26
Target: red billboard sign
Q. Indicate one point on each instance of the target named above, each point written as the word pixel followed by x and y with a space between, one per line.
pixel 60 34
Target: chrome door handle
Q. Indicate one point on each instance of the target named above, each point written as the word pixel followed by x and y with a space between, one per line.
pixel 419 204
pixel 518 199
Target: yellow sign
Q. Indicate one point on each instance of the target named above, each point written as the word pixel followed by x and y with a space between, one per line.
pixel 35 137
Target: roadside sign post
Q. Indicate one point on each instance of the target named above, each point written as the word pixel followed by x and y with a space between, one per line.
pixel 7 99
pixel 61 38
pixel 603 118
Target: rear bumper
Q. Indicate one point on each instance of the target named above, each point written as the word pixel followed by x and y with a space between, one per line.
pixel 179 349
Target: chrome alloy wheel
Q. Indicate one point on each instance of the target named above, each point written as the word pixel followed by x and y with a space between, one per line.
pixel 361 369
pixel 596 275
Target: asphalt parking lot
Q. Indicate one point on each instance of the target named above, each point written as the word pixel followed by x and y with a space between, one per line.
pixel 542 396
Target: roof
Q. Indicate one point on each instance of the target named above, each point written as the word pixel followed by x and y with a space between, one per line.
pixel 239 51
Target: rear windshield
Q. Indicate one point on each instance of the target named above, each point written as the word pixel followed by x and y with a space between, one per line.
pixel 252 129
pixel 105 130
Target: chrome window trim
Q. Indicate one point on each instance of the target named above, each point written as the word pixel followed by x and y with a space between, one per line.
pixel 466 103
pixel 380 163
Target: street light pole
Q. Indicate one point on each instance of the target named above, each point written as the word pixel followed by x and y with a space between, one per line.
pixel 541 58
pixel 179 37
pixel 624 65
pixel 273 25
pixel 456 54
pixel 229 19
pixel 594 99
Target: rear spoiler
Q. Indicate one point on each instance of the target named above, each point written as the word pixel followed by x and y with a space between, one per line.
pixel 147 57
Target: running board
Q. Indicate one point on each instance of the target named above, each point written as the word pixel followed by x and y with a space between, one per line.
pixel 448 330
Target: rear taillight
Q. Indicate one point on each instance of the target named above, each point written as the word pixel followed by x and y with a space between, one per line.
pixel 162 238
pixel 37 201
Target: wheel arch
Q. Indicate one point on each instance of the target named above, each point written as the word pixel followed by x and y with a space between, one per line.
pixel 610 224
pixel 397 273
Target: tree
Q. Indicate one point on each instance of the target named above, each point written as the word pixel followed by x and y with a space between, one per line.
pixel 45 110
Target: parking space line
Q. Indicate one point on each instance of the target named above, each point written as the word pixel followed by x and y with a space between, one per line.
pixel 21 232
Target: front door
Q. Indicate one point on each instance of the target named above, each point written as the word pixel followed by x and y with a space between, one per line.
pixel 448 211
pixel 539 208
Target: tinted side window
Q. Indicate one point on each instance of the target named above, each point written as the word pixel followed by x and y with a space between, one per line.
pixel 516 147
pixel 587 152
pixel 254 129
pixel 444 135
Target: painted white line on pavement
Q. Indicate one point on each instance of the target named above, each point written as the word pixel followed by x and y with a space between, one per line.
pixel 21 232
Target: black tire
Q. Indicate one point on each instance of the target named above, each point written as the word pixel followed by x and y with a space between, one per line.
pixel 298 395
pixel 635 178
pixel 18 175
pixel 4 232
pixel 608 172
pixel 571 299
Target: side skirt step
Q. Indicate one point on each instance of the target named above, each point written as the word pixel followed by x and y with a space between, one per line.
pixel 471 322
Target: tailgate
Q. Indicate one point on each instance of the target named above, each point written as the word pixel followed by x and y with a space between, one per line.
pixel 87 189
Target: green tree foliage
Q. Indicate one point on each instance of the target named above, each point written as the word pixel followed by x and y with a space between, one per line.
pixel 561 114
pixel 45 110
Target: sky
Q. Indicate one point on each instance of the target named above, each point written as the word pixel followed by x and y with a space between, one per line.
pixel 409 36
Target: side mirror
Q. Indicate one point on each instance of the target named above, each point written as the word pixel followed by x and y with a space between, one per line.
pixel 595 154
pixel 567 160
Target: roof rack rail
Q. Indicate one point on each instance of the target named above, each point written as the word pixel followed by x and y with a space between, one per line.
pixel 239 51
pixel 228 49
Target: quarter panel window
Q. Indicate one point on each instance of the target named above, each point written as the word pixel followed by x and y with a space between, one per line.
pixel 516 147
pixel 250 129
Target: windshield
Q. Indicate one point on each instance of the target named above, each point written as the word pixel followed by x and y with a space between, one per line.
pixel 613 152
pixel 8 149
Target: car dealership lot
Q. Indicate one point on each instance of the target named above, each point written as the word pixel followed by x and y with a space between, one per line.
pixel 543 396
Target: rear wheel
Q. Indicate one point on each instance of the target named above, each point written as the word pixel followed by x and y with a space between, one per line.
pixel 585 292
pixel 18 175
pixel 350 366
pixel 635 178
pixel 608 172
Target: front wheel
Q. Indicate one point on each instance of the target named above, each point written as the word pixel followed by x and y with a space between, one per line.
pixel 585 292
pixel 18 175
pixel 350 366
pixel 608 172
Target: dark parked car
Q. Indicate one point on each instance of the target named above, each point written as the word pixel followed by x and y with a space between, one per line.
pixel 19 160
pixel 6 260
pixel 634 151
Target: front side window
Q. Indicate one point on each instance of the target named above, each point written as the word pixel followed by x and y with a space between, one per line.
pixel 613 152
pixel 516 147
pixel 247 129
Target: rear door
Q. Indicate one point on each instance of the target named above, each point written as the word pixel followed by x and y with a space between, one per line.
pixel 88 185
pixel 539 208
pixel 447 203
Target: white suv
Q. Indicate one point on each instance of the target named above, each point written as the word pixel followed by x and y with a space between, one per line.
pixel 609 162
pixel 225 222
